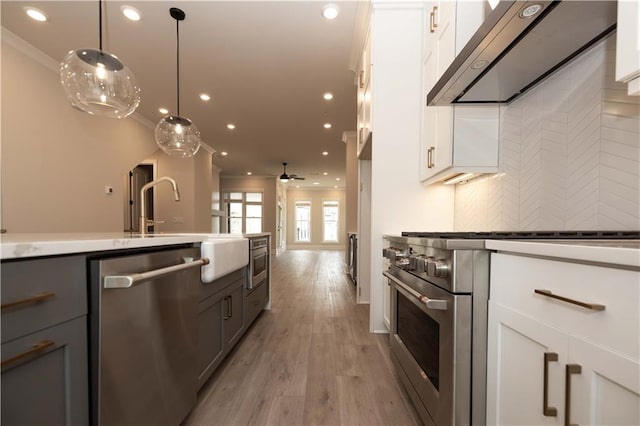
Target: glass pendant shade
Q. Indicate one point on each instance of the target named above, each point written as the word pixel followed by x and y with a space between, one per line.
pixel 177 136
pixel 98 83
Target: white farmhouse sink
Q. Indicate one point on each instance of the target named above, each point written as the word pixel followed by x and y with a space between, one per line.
pixel 225 255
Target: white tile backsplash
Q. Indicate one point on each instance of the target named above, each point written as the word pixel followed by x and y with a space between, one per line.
pixel 569 156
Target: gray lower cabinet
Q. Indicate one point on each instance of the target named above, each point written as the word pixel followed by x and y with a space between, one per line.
pixel 255 301
pixel 44 342
pixel 47 385
pixel 220 321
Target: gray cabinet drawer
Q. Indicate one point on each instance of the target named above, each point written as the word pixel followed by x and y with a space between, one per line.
pixel 255 302
pixel 61 284
pixel 46 386
pixel 209 289
pixel 210 341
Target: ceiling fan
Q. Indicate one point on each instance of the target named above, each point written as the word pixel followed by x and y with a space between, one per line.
pixel 284 177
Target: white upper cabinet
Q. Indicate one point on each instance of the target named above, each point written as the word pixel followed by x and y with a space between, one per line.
pixel 364 101
pixel 628 45
pixel 461 139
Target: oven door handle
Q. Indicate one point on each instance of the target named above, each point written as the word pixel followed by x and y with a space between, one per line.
pixel 440 305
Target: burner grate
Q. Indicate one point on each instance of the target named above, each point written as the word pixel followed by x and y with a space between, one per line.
pixel 521 235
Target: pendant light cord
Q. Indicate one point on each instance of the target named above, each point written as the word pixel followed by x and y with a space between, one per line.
pixel 100 22
pixel 178 63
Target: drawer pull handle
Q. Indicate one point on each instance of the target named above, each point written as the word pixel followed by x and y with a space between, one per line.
pixel 38 347
pixel 592 306
pixel 570 369
pixel 29 300
pixel 546 410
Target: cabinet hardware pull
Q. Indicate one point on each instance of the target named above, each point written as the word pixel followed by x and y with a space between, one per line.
pixel 38 297
pixel 431 27
pixel 437 304
pixel 435 20
pixel 361 78
pixel 546 410
pixel 230 306
pixel 38 347
pixel 429 158
pixel 227 307
pixel 592 306
pixel 569 370
pixel 126 281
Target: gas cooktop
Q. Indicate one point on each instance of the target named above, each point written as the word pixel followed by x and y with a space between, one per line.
pixel 525 235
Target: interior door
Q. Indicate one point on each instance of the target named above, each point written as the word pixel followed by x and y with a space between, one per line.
pixel 138 177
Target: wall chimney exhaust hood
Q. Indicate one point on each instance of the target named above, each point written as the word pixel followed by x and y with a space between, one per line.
pixel 518 45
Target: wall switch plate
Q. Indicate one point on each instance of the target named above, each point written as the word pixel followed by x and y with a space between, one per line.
pixel 108 190
pixel 178 219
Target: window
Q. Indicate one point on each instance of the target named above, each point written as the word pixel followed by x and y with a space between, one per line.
pixel 330 220
pixel 303 221
pixel 244 212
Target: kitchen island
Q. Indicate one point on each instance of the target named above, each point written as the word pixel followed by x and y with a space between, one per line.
pixel 54 297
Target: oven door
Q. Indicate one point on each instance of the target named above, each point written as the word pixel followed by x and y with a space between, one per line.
pixel 258 266
pixel 430 342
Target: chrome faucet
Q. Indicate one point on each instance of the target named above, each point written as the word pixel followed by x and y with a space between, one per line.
pixel 144 222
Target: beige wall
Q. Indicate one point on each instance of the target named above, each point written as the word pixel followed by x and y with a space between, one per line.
pixel 57 160
pixel 258 184
pixel 316 197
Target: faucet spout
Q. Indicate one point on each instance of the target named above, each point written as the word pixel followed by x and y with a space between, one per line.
pixel 144 222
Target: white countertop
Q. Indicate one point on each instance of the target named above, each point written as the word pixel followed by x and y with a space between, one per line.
pixel 614 252
pixel 33 245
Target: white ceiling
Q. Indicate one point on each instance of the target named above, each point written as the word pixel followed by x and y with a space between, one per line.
pixel 265 64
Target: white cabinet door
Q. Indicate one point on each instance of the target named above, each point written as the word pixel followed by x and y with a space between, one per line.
pixel 628 45
pixel 517 345
pixel 607 389
pixel 454 139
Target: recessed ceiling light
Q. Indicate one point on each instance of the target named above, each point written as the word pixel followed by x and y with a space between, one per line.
pixel 131 13
pixel 337 178
pixel 297 186
pixel 231 126
pixel 327 125
pixel 249 173
pixel 316 183
pixel 335 186
pixel 36 14
pixel 205 97
pixel 328 96
pixel 163 111
pixel 325 173
pixel 330 11
pixel 224 153
pixel 325 153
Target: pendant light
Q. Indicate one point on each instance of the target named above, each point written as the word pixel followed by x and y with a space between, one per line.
pixel 177 135
pixel 98 83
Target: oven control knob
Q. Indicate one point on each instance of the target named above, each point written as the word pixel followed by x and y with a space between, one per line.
pixel 421 264
pixel 437 268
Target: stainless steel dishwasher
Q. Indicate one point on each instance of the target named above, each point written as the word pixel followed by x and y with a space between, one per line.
pixel 143 337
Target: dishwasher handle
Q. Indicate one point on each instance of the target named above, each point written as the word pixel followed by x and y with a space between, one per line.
pixel 129 280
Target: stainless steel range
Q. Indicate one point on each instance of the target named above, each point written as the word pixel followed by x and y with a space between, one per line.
pixel 438 333
pixel 439 296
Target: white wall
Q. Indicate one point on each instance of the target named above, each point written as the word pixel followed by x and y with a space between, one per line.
pixel 399 202
pixel 569 156
pixel 56 160
pixel 316 197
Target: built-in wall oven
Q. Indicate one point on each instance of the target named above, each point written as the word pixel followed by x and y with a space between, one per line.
pixel 439 293
pixel 258 261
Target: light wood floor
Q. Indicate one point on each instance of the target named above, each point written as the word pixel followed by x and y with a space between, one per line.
pixel 310 360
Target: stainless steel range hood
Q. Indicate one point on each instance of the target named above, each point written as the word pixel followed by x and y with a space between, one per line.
pixel 510 52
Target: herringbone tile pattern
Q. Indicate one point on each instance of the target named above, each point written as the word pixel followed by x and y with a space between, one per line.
pixel 569 156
